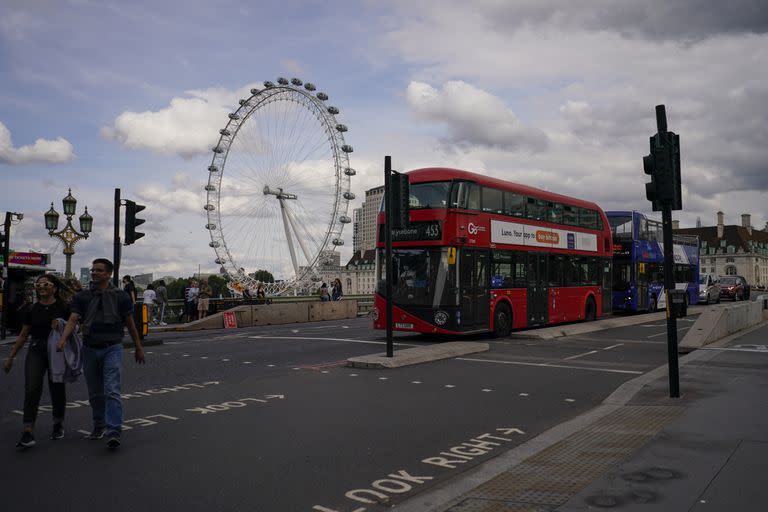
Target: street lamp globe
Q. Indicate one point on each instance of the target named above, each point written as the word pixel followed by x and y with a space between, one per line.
pixel 51 219
pixel 69 204
pixel 86 222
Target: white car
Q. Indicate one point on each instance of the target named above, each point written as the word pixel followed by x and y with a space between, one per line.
pixel 709 289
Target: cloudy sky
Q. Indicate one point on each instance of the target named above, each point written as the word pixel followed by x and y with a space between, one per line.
pixel 98 95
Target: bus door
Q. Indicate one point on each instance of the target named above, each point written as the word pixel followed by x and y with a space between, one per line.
pixel 538 290
pixel 641 282
pixel 475 289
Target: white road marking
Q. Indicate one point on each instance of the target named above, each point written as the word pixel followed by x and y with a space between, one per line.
pixel 294 330
pixel 204 357
pixel 549 365
pixel 665 332
pixel 416 382
pixel 450 386
pixel 580 355
pixel 353 375
pixel 613 346
pixel 486 390
pixel 383 378
pixel 271 365
pixel 324 371
pixel 246 362
pixel 226 360
pixel 185 355
pixel 570 400
pixel 330 339
pixel 523 394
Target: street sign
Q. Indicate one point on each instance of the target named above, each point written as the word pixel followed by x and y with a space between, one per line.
pixel 230 320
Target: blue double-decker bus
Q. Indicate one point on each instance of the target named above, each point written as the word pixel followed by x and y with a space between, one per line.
pixel 638 263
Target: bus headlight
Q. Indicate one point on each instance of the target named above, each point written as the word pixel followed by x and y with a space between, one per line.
pixel 441 317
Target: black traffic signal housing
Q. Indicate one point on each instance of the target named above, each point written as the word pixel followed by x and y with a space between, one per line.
pixel 652 187
pixel 399 188
pixel 663 165
pixel 132 222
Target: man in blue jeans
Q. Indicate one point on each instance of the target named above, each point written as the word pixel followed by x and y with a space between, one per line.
pixel 103 311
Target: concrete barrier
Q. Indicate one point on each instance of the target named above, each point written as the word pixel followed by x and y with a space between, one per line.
pixel 273 314
pixel 277 314
pixel 333 310
pixel 718 322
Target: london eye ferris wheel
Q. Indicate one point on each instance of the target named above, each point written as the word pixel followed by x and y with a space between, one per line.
pixel 278 189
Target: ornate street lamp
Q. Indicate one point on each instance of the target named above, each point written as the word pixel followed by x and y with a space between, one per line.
pixel 69 235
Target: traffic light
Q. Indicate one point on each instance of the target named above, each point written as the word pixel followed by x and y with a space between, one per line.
pixel 663 165
pixel 399 187
pixel 652 188
pixel 131 221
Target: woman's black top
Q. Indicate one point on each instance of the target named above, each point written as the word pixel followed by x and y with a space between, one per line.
pixel 40 316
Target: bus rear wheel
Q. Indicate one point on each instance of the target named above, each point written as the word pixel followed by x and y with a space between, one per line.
pixel 502 320
pixel 590 311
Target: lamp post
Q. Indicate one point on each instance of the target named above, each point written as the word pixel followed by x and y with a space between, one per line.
pixel 6 250
pixel 69 235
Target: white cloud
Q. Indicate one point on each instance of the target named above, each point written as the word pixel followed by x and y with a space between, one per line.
pixel 43 150
pixel 187 127
pixel 473 116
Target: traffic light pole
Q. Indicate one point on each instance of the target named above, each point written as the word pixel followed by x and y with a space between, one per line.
pixel 116 252
pixel 388 250
pixel 664 192
pixel 669 284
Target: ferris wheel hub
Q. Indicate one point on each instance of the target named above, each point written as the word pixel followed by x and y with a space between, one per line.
pixel 279 193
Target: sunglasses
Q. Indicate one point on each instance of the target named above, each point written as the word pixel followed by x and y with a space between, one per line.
pixel 44 284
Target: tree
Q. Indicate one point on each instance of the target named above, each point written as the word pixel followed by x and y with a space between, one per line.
pixel 263 275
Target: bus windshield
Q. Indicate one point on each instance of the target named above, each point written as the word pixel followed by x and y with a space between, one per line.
pixel 429 195
pixel 421 277
pixel 621 226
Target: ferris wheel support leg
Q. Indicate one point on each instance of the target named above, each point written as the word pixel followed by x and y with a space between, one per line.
pixel 288 237
pixel 300 240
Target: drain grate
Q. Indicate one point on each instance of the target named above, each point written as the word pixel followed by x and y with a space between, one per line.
pixel 549 478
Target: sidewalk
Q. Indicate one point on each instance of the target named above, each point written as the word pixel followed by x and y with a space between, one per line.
pixel 641 450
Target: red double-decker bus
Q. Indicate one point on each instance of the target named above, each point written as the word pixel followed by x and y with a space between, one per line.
pixel 483 254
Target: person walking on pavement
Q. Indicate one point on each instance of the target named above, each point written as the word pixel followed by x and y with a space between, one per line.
pixel 104 310
pixel 38 322
pixel 203 296
pixel 148 297
pixel 130 288
pixel 161 298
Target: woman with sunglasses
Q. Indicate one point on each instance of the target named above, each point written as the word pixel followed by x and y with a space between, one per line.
pixel 38 322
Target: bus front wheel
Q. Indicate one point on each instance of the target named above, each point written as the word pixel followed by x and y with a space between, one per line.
pixel 590 311
pixel 502 320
